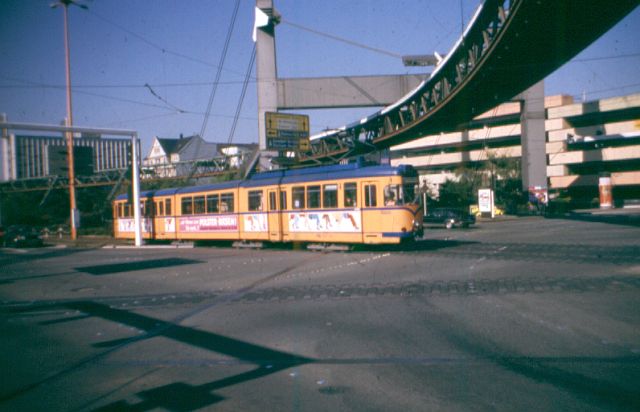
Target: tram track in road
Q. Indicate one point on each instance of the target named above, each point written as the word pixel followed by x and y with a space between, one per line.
pixel 442 288
pixel 255 291
pixel 203 299
pixel 527 252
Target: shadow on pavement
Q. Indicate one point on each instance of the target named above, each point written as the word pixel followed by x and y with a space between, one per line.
pixel 135 266
pixel 178 395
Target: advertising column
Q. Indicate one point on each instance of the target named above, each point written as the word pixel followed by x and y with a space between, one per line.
pixel 606 192
pixel 485 203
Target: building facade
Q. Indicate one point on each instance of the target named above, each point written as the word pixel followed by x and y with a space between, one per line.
pixel 33 157
pixel 584 141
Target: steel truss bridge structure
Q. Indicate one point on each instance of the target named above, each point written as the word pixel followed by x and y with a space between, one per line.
pixel 185 171
pixel 508 46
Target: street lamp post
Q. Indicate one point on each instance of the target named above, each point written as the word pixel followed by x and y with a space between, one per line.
pixel 69 120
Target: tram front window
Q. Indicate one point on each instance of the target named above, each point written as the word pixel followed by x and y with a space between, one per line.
pixel 393 195
pixel 409 192
pixel 400 194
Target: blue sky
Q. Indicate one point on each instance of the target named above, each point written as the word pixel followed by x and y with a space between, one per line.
pixel 174 46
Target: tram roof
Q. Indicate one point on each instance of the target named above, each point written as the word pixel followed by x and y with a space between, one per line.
pixel 275 177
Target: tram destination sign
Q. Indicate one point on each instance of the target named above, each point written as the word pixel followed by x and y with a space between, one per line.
pixel 287 131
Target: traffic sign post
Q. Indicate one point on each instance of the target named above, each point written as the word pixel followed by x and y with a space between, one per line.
pixel 287 132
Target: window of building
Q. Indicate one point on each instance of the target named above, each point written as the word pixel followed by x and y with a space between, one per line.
pixel 313 197
pixel 370 199
pixel 350 195
pixel 297 193
pixel 330 196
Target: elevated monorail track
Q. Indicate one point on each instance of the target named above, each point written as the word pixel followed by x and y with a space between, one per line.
pixel 508 46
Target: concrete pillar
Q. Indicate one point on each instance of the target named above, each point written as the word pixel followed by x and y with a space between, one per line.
pixel 266 19
pixel 533 138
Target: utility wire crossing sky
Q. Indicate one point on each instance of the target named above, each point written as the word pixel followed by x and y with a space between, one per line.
pixel 170 67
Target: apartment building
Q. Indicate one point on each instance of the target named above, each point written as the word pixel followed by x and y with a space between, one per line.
pixel 36 157
pixel 584 141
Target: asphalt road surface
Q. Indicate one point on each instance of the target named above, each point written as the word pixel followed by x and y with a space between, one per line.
pixel 525 314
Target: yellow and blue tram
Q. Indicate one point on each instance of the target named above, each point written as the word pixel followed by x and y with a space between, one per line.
pixel 337 204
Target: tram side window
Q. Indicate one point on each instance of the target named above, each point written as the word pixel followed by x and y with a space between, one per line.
pixel 198 205
pixel 370 196
pixel 126 210
pixel 160 208
pixel 255 200
pixel 298 197
pixel 313 197
pixel 226 202
pixel 283 200
pixel 212 203
pixel 167 207
pixel 330 196
pixel 187 206
pixel 350 195
pixel 272 201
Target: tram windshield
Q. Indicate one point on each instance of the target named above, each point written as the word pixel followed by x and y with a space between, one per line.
pixel 401 194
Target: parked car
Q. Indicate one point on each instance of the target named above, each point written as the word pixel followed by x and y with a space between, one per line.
pixel 449 217
pixel 22 236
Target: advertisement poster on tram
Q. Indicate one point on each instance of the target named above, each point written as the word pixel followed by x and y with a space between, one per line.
pixel 209 224
pixel 347 222
pixel 129 225
pixel 255 222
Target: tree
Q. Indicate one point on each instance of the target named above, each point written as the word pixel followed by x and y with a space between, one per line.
pixel 499 172
pixel 506 181
pixel 461 192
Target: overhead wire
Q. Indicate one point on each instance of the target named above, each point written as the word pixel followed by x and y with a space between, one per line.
pixel 156 45
pixel 242 95
pixel 219 71
pixel 120 99
pixel 162 99
pixel 341 39
pixel 114 86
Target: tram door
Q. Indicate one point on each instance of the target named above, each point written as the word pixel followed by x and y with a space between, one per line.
pixel 371 219
pixel 275 219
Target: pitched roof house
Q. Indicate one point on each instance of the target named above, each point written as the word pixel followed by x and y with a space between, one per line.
pixel 166 155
